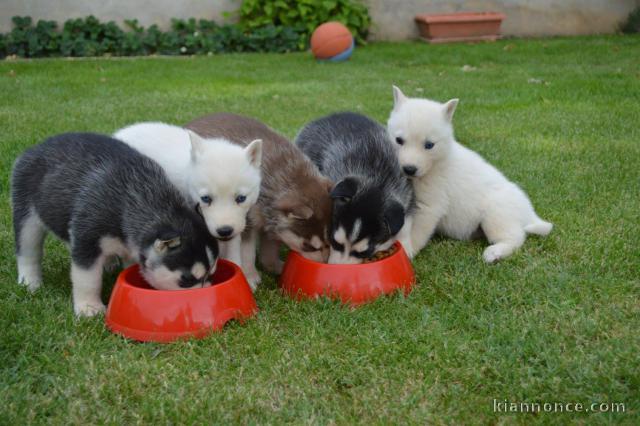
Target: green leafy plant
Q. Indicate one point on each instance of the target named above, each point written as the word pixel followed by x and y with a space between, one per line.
pixel 306 15
pixel 632 24
pixel 29 41
pixel 90 37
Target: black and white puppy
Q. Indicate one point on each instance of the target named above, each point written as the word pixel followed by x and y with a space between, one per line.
pixel 371 196
pixel 105 199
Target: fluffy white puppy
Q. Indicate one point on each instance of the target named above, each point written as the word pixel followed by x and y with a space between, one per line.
pixel 220 178
pixel 457 191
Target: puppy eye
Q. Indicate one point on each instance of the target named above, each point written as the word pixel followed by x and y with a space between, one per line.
pixel 429 145
pixel 308 247
pixel 362 254
pixel 337 246
pixel 240 199
pixel 206 199
pixel 399 141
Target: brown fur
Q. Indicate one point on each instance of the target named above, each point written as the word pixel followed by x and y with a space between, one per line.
pixel 293 194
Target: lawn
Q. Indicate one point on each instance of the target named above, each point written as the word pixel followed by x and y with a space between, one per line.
pixel 557 322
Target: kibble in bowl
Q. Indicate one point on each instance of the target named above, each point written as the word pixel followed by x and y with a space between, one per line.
pixel 382 254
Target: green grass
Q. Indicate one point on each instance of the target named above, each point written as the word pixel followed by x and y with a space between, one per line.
pixel 557 322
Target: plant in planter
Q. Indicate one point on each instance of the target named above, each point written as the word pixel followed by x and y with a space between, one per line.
pixel 461 26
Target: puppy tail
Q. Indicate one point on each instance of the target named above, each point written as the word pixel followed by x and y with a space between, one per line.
pixel 539 227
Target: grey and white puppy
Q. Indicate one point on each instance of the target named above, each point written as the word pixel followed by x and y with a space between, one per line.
pixel 105 199
pixel 294 205
pixel 372 196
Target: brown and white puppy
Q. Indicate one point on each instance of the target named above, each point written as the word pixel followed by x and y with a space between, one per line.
pixel 294 205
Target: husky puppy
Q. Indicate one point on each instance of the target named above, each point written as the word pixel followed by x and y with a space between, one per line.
pixel 222 179
pixel 105 199
pixel 294 205
pixel 371 196
pixel 457 191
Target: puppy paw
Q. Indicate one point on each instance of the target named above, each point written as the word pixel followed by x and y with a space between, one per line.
pixel 253 278
pixel 89 309
pixel 492 254
pixel 31 283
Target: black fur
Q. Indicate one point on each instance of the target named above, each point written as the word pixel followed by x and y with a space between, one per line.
pixel 353 151
pixel 86 186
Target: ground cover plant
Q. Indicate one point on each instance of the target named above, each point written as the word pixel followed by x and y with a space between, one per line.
pixel 556 322
pixel 263 26
pixel 80 37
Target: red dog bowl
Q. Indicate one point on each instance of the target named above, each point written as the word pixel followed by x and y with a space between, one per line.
pixel 140 312
pixel 352 284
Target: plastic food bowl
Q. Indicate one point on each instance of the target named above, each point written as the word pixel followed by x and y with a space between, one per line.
pixel 142 313
pixel 352 284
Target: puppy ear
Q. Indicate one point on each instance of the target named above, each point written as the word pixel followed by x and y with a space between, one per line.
pixel 450 108
pixel 254 153
pixel 164 243
pixel 345 189
pixel 394 217
pixel 398 97
pixel 197 145
pixel 292 208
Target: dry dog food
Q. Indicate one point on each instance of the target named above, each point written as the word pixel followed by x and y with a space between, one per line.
pixel 381 254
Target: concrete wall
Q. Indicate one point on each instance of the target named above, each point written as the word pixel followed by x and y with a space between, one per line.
pixel 392 19
pixel 147 12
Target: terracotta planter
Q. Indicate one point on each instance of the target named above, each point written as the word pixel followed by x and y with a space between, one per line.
pixel 462 26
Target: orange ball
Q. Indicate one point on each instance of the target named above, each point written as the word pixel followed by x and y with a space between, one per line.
pixel 330 40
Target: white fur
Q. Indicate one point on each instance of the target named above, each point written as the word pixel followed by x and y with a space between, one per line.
pixel 350 244
pixel 201 167
pixel 30 256
pixel 292 240
pixel 296 243
pixel 165 279
pixel 87 284
pixel 198 271
pixel 115 247
pixel 162 277
pixel 248 254
pixel 456 189
pixel 384 246
pixel 316 242
pixel 230 250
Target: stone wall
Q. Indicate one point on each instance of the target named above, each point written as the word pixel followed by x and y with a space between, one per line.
pixel 392 19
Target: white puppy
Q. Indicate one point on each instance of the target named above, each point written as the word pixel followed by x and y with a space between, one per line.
pixel 457 191
pixel 222 179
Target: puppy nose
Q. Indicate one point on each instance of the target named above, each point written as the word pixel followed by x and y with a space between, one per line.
pixel 409 170
pixel 224 231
